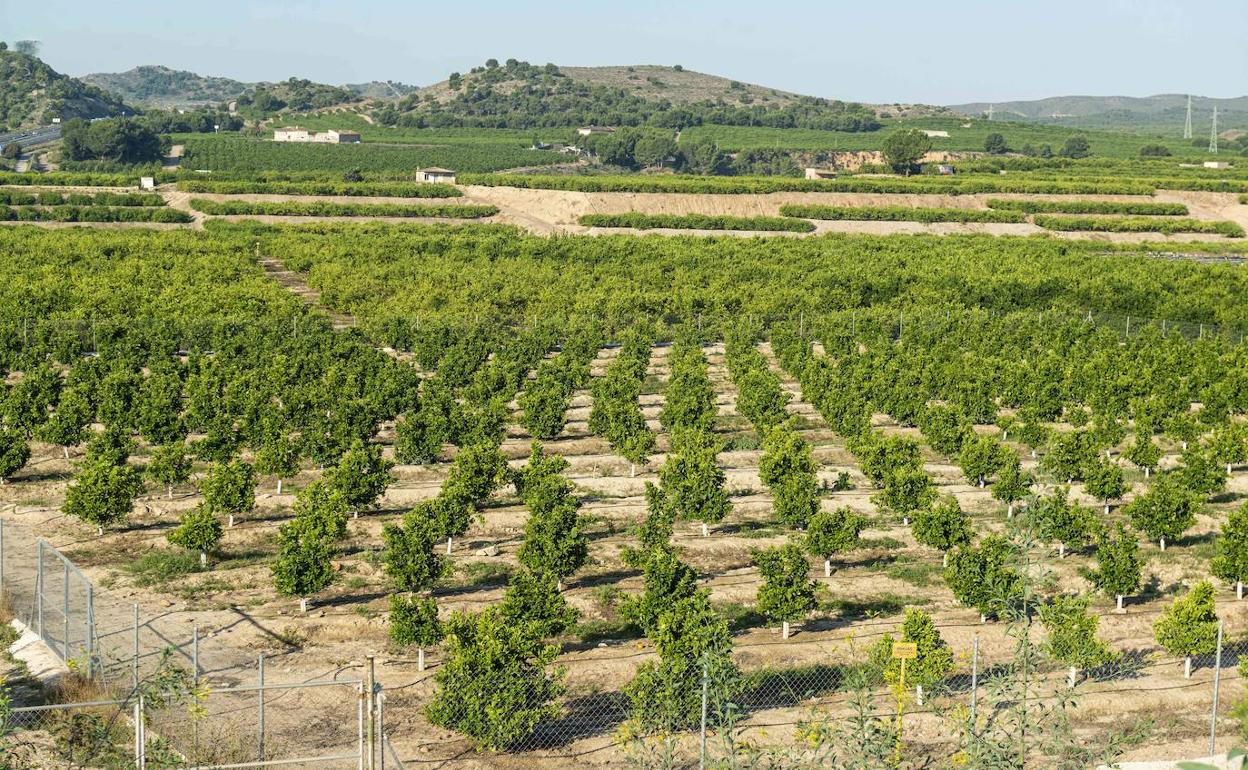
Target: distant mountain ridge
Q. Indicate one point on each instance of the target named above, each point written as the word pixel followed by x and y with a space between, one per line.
pixel 1161 112
pixel 166 88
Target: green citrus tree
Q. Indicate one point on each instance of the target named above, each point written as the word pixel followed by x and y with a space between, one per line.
pixel 787 593
pixel 833 532
pixel 1189 626
pixel 1230 560
pixel 1118 565
pixel 199 530
pixel 942 526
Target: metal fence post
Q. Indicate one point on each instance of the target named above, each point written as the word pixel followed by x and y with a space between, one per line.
pixel 134 660
pixel 381 728
pixel 260 668
pixel 974 675
pixel 359 727
pixel 138 732
pixel 65 606
pixel 371 683
pixel 90 631
pixel 195 684
pixel 702 740
pixel 1 554
pixel 1217 680
pixel 39 587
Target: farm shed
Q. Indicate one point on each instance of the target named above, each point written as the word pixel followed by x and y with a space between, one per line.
pixel 820 173
pixel 443 175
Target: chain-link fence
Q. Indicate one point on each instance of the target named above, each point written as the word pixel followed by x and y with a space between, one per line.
pixel 144 693
pixel 798 698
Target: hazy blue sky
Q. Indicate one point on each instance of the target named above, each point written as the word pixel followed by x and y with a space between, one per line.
pixel 869 50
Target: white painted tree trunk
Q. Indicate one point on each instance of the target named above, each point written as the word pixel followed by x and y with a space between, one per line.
pixel 303 605
pixel 1119 597
pixel 1106 509
pixel 981 482
pixel 99 531
pixel 1061 550
pixel 1005 434
pixel 1033 454
pixel 632 470
pixel 1009 510
pixel 448 545
pixel 1184 446
pixel 65 449
pixel 1070 676
pixel 944 561
pixel 705 531
pixel 1187 667
pixel 905 521
pixel 983 618
pixel 784 630
pixel 918 695
pixel 1162 540
pixel 170 491
pixel 231 520
pixel 1239 590
pixel 203 559
pixel 559 585
pixel 1228 469
pixel 279 486
pixel 827 568
pixel 420 658
pixel 1147 471
pixel 355 514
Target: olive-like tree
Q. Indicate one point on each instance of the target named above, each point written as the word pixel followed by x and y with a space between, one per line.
pixel 692 480
pixel 1072 635
pixel 1104 480
pixel 361 475
pixel 787 593
pixel 833 532
pixel 1012 485
pixel 14 453
pixel 788 469
pixel 199 530
pixel 904 148
pixel 230 488
pixel 169 466
pixel 942 526
pixel 493 685
pixel 1118 564
pixel 1166 510
pixel 933 661
pixel 1230 560
pixel 304 563
pixel 1189 626
pixel 103 494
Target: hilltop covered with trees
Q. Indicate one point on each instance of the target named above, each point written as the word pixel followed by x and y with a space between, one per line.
pixel 32 93
pixel 522 95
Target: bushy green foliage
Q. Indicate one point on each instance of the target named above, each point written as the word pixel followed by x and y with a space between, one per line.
pixel 199 530
pixel 639 221
pixel 361 475
pixel 493 684
pixel 327 209
pixel 1059 520
pixel 691 479
pixel 934 661
pixel 943 525
pixel 533 599
pixel 1089 207
pixel 14 453
pixel 1189 626
pixel 1118 563
pixel 907 492
pixel 103 493
pixel 230 487
pixel 899 213
pixel 1168 226
pixel 982 457
pixel 1230 561
pixel 169 466
pixel 554 538
pixel 304 559
pixel 414 621
pixel 983 576
pixel 322 509
pixel 1072 633
pixel 787 593
pixel 408 557
pixel 832 532
pixel 788 469
pixel 1165 511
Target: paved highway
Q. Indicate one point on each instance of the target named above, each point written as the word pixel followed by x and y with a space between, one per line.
pixel 32 136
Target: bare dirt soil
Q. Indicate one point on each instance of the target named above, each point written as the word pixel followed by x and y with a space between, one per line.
pixel 239 614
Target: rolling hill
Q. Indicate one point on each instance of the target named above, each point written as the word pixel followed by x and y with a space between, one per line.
pixel 1162 113
pixel 32 94
pixel 158 86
